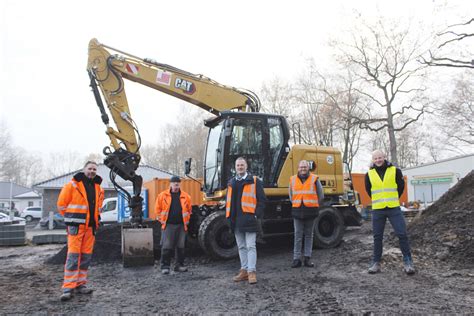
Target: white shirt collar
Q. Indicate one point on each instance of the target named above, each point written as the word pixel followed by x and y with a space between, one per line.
pixel 241 178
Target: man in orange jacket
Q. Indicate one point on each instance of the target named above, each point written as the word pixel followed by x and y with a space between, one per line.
pixel 173 209
pixel 306 194
pixel 79 203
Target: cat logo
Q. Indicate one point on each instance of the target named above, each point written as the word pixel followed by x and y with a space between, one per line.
pixel 187 86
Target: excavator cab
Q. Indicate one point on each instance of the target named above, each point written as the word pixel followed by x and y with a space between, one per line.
pixel 262 139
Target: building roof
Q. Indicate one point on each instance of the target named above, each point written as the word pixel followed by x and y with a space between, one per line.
pixel 440 161
pixel 28 195
pixel 8 188
pixel 147 172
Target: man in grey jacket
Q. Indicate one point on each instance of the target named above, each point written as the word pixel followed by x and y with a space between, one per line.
pixel 306 194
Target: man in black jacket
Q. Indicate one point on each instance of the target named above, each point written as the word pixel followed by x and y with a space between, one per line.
pixel 244 204
pixel 384 183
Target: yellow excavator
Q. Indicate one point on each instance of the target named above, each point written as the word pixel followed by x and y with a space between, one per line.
pixel 238 129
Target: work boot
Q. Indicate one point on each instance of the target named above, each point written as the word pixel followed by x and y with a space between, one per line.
pixel 307 262
pixel 252 276
pixel 179 266
pixel 374 268
pixel 166 260
pixel 66 296
pixel 241 276
pixel 296 263
pixel 82 289
pixel 408 267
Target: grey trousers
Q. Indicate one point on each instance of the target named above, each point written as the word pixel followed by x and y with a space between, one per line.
pixel 303 227
pixel 173 236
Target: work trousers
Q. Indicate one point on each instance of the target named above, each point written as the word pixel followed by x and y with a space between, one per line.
pixel 247 250
pixel 304 228
pixel 395 216
pixel 173 239
pixel 80 244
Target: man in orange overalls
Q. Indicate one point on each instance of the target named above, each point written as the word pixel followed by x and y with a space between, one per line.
pixel 79 203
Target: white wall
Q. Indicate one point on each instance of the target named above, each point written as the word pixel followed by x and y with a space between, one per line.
pixel 454 168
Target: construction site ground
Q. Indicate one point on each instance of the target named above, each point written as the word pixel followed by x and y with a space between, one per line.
pixel 338 284
pixel 442 239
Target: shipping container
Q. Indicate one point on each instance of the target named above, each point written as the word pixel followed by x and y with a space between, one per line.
pixel 156 186
pixel 358 180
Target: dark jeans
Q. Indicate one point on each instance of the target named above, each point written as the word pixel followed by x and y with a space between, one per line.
pixel 395 216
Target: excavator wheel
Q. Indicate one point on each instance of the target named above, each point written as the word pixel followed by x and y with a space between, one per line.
pixel 216 238
pixel 329 228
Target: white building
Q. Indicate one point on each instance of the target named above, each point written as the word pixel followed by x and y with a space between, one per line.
pixel 427 182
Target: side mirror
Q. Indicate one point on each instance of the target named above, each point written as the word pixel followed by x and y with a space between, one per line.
pixel 187 166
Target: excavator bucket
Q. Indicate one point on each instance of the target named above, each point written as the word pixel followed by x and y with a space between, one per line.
pixel 137 246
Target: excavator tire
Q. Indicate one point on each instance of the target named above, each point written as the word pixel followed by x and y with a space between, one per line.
pixel 216 238
pixel 329 228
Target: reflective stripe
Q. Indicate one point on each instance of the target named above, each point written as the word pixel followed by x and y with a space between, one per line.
pixel 304 192
pixel 61 208
pixel 251 194
pixel 384 200
pixel 70 273
pixel 248 204
pixel 77 206
pixel 311 201
pixel 383 190
pixel 75 220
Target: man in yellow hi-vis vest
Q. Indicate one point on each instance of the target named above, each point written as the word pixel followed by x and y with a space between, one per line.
pixel 384 184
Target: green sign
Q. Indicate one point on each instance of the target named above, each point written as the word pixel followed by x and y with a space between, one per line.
pixel 432 180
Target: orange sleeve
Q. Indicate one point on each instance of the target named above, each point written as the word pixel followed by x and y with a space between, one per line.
pixel 158 207
pixel 64 198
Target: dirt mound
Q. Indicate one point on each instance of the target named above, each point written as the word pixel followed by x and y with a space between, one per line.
pixel 108 245
pixel 445 230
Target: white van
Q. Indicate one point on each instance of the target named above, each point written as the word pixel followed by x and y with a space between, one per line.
pixel 109 211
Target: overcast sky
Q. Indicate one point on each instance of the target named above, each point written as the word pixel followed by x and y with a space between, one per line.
pixel 45 98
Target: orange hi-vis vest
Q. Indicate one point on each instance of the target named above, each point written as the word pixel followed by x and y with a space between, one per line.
pixel 249 198
pixel 163 204
pixel 74 206
pixel 304 192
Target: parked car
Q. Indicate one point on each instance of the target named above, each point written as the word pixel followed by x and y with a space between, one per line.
pixel 58 221
pixel 109 211
pixel 6 218
pixel 32 212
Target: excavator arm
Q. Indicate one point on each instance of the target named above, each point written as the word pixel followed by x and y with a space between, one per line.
pixel 107 67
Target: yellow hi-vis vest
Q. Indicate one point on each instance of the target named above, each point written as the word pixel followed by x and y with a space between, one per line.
pixel 384 193
pixel 249 198
pixel 306 193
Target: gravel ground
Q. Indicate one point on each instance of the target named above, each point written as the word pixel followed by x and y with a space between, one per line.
pixel 338 284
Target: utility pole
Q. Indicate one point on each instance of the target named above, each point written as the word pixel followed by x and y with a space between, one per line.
pixel 11 201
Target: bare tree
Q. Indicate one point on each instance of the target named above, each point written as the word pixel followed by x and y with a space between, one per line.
pixel 449 38
pixel 315 109
pixel 346 104
pixel 60 163
pixel 16 164
pixel 178 141
pixel 456 114
pixel 385 60
pixel 276 97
